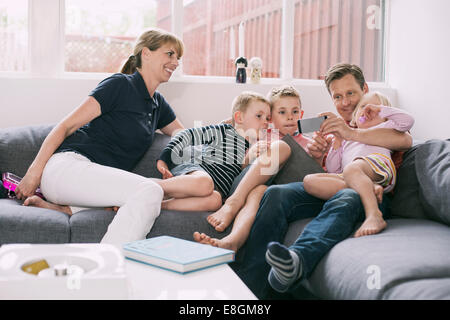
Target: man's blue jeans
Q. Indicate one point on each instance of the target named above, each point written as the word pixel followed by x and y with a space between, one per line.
pixel 334 221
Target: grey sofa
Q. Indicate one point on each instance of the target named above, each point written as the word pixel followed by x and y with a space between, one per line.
pixel 408 260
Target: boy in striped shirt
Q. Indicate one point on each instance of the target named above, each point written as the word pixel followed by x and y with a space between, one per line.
pixel 199 164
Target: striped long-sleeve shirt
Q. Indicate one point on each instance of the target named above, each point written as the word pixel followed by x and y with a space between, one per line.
pixel 218 149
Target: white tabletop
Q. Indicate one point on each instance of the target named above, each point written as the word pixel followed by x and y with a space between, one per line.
pixel 216 283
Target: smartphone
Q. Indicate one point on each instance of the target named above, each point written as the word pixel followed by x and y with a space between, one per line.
pixel 310 124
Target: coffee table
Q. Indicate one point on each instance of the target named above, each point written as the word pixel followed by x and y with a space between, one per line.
pixel 214 283
pixel 108 276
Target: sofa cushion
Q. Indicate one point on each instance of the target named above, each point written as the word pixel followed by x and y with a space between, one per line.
pixel 407 250
pixel 147 165
pixel 3 190
pixel 19 146
pixel 90 225
pixel 433 173
pixel 19 224
pixel 405 202
pixel 420 289
pixel 297 166
pixel 294 231
pixel 183 224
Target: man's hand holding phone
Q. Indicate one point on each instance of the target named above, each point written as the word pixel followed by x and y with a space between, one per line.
pixel 336 126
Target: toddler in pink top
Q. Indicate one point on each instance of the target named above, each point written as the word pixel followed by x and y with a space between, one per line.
pixel 367 169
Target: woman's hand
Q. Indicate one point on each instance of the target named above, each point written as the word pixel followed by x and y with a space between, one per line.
pixel 28 185
pixel 163 169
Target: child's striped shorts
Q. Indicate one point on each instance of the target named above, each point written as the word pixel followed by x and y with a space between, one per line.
pixel 384 166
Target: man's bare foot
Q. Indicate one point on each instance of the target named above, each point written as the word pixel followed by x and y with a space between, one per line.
pixel 222 218
pixel 378 192
pixel 220 243
pixel 372 225
pixel 36 201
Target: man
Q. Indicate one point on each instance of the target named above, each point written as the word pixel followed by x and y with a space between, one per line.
pixel 334 219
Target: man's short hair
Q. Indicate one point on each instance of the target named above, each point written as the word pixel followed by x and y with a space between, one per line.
pixel 242 101
pixel 340 70
pixel 282 91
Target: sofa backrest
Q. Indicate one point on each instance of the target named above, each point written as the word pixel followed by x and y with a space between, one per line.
pixel 20 145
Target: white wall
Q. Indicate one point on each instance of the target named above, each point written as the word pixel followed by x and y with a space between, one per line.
pixel 419 63
pixel 27 101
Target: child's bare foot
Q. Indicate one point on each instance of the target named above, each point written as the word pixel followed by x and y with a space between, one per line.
pixel 220 243
pixel 378 192
pixel 36 201
pixel 222 218
pixel 372 225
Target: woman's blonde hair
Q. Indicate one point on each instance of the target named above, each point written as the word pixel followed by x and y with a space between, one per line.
pixel 384 100
pixel 152 39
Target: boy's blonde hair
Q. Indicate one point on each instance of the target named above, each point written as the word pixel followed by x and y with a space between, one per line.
pixel 283 91
pixel 383 99
pixel 242 101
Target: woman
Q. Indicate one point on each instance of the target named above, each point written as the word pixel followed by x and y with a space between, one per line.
pixel 87 158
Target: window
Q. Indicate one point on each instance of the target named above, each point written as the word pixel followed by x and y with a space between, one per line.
pixel 325 32
pixel 330 31
pixel 14 35
pixel 296 39
pixel 217 32
pixel 100 34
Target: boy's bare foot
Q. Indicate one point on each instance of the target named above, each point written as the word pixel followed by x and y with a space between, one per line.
pixel 222 218
pixel 36 201
pixel 378 192
pixel 220 243
pixel 372 225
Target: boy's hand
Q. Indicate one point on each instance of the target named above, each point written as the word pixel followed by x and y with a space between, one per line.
pixel 319 145
pixel 258 149
pixel 163 169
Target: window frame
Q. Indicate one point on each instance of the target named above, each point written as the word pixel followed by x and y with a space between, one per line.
pixel 51 64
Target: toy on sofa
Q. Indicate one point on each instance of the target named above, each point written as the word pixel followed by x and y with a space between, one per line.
pixel 10 183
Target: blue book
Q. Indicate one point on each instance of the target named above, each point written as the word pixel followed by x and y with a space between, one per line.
pixel 176 254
